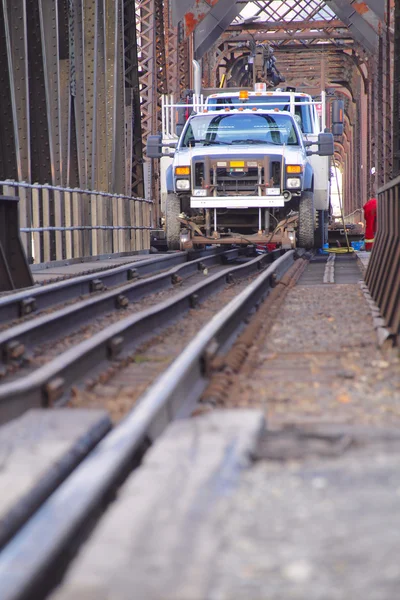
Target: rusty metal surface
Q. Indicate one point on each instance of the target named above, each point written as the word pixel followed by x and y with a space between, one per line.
pixel 396 93
pixel 383 272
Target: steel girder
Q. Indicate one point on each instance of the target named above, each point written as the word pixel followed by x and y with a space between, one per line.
pixel 361 21
pixel 14 107
pixel 63 94
pixel 213 24
pixel 133 121
pixel 396 94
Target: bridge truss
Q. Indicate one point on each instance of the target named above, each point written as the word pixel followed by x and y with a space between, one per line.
pixel 81 86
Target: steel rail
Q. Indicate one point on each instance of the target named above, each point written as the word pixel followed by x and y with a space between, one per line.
pixel 22 303
pixel 51 382
pixel 30 560
pixel 15 341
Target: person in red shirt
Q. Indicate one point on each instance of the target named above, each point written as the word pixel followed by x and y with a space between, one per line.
pixel 370 209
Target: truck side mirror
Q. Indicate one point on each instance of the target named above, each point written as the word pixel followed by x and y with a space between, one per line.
pixel 154 146
pixel 326 144
pixel 337 117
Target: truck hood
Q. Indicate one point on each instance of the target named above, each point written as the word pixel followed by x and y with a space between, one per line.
pixel 293 154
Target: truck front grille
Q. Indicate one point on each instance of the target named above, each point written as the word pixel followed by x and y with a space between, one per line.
pixel 229 181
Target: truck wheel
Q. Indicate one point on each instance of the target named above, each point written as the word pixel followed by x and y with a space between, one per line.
pixel 321 233
pixel 172 225
pixel 306 220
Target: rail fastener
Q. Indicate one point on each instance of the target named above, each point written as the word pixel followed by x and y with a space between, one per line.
pixel 97 285
pixel 122 301
pixel 53 391
pixel 115 346
pixel 27 306
pixel 194 301
pixel 14 350
pixel 132 274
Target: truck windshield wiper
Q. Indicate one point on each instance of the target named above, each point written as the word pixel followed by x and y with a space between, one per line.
pixel 249 141
pixel 215 142
pixel 205 142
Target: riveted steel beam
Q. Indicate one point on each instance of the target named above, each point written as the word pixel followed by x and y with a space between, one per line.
pixel 376 6
pixel 353 14
pixel 396 87
pixel 213 25
pixel 17 51
pixel 135 184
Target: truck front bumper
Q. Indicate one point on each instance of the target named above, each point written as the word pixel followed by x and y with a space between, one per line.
pixel 237 201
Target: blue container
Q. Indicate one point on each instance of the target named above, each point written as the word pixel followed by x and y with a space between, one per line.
pixel 358 245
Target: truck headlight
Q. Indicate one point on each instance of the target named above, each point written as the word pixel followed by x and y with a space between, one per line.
pixel 182 184
pixel 293 182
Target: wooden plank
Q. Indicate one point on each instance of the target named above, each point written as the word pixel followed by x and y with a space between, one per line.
pixel 37 237
pixel 146 208
pixel 38 451
pixel 138 222
pixel 121 221
pixel 115 238
pixel 167 516
pixel 86 220
pixel 68 222
pixel 58 211
pixel 101 238
pixel 76 222
pixel 132 233
pixel 46 223
pixel 94 223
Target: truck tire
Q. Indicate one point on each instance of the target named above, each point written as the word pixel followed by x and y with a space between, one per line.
pixel 172 225
pixel 321 233
pixel 306 221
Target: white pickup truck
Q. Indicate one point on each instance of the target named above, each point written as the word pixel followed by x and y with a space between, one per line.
pixel 312 115
pixel 236 164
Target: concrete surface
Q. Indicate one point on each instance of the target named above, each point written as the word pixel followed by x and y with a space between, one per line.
pixel 37 452
pixel 363 259
pixel 315 517
pixel 54 271
pixel 162 535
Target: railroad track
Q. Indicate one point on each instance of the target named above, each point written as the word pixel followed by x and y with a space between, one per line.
pixel 53 529
pixel 41 297
pixel 17 340
pixel 91 352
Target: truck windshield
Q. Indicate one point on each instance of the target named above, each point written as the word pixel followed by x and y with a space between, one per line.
pixel 239 128
pixel 269 103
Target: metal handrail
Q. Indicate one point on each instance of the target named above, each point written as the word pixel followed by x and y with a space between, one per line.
pixel 57 188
